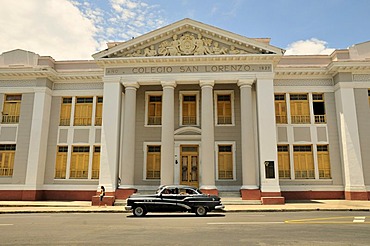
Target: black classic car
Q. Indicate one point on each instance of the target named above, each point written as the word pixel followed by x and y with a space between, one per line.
pixel 174 198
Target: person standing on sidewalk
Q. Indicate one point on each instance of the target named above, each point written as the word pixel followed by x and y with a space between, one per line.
pixel 102 194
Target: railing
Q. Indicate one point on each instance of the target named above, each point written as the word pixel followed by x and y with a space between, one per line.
pixel 64 122
pixel 154 120
pixel 324 173
pixel 95 174
pixel 78 174
pixel 320 119
pixel 305 174
pixel 189 120
pixel 225 174
pixel 9 119
pixel 284 174
pixel 281 119
pixel 98 121
pixel 153 174
pixel 223 120
pixel 300 119
pixel 82 121
pixel 60 174
pixel 6 172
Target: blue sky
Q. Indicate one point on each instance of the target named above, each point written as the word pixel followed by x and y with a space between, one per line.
pixel 75 29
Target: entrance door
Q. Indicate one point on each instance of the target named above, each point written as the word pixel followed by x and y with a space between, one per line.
pixel 189 174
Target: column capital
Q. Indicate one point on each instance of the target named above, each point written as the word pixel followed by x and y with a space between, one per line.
pixel 168 84
pixel 205 82
pixel 131 85
pixel 246 82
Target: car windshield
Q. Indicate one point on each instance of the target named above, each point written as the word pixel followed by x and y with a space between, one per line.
pixel 174 190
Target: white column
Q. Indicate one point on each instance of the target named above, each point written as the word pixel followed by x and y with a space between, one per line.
pixel 207 174
pixel 109 156
pixel 249 164
pixel 129 121
pixel 38 139
pixel 168 142
pixel 267 132
pixel 349 140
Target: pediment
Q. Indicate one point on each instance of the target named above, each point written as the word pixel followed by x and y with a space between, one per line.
pixel 188 38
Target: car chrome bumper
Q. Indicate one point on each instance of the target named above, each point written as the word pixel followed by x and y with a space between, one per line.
pixel 128 208
pixel 219 207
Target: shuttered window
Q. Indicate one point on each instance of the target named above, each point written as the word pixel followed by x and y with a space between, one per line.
pixel 303 162
pixel 61 162
pixel 7 153
pixel 65 111
pixel 299 109
pixel 283 161
pixel 225 162
pixel 323 161
pixel 96 163
pixel 224 110
pixel 155 110
pixel 79 162
pixel 153 162
pixel 11 109
pixel 280 109
pixel 99 111
pixel 83 111
pixel 189 112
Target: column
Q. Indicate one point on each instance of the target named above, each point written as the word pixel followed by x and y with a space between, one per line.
pixel 128 151
pixel 38 139
pixel 109 156
pixel 350 143
pixel 267 139
pixel 168 118
pixel 250 189
pixel 207 167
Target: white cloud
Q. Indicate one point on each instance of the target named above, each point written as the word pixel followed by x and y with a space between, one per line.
pixel 311 46
pixel 54 28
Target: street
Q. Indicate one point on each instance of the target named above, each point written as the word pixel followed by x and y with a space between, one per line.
pixel 268 228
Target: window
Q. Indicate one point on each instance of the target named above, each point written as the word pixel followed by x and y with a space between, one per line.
pixel 225 162
pixel 323 161
pixel 7 152
pixel 99 111
pixel 299 109
pixel 61 162
pixel 65 111
pixel 224 109
pixel 189 109
pixel 319 108
pixel 280 109
pixel 303 162
pixel 153 162
pixel 83 111
pixel 96 163
pixel 155 110
pixel 283 161
pixel 11 109
pixel 79 162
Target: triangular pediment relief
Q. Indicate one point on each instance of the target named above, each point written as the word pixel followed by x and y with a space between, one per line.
pixel 188 38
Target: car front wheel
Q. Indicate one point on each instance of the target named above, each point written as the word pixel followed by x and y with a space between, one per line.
pixel 200 211
pixel 139 211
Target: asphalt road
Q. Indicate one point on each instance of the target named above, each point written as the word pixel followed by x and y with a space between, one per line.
pixel 279 228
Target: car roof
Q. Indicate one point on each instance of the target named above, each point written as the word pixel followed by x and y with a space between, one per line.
pixel 178 186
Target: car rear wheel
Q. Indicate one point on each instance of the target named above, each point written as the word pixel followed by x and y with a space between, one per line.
pixel 200 211
pixel 139 211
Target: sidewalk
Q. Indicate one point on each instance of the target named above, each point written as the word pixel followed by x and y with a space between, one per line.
pixel 232 204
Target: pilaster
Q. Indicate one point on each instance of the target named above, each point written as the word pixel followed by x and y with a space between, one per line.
pixel 110 139
pixel 350 143
pixel 38 139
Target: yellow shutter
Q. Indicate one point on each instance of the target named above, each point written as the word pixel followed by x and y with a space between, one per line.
pixel 224 112
pixel 83 112
pixel 153 163
pixel 99 111
pixel 11 109
pixel 303 163
pixel 96 163
pixel 154 112
pixel 299 109
pixel 6 163
pixel 65 114
pixel 79 164
pixel 323 162
pixel 280 109
pixel 283 162
pixel 189 113
pixel 225 162
pixel 61 164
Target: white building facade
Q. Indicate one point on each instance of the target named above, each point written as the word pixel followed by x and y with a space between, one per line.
pixel 186 104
